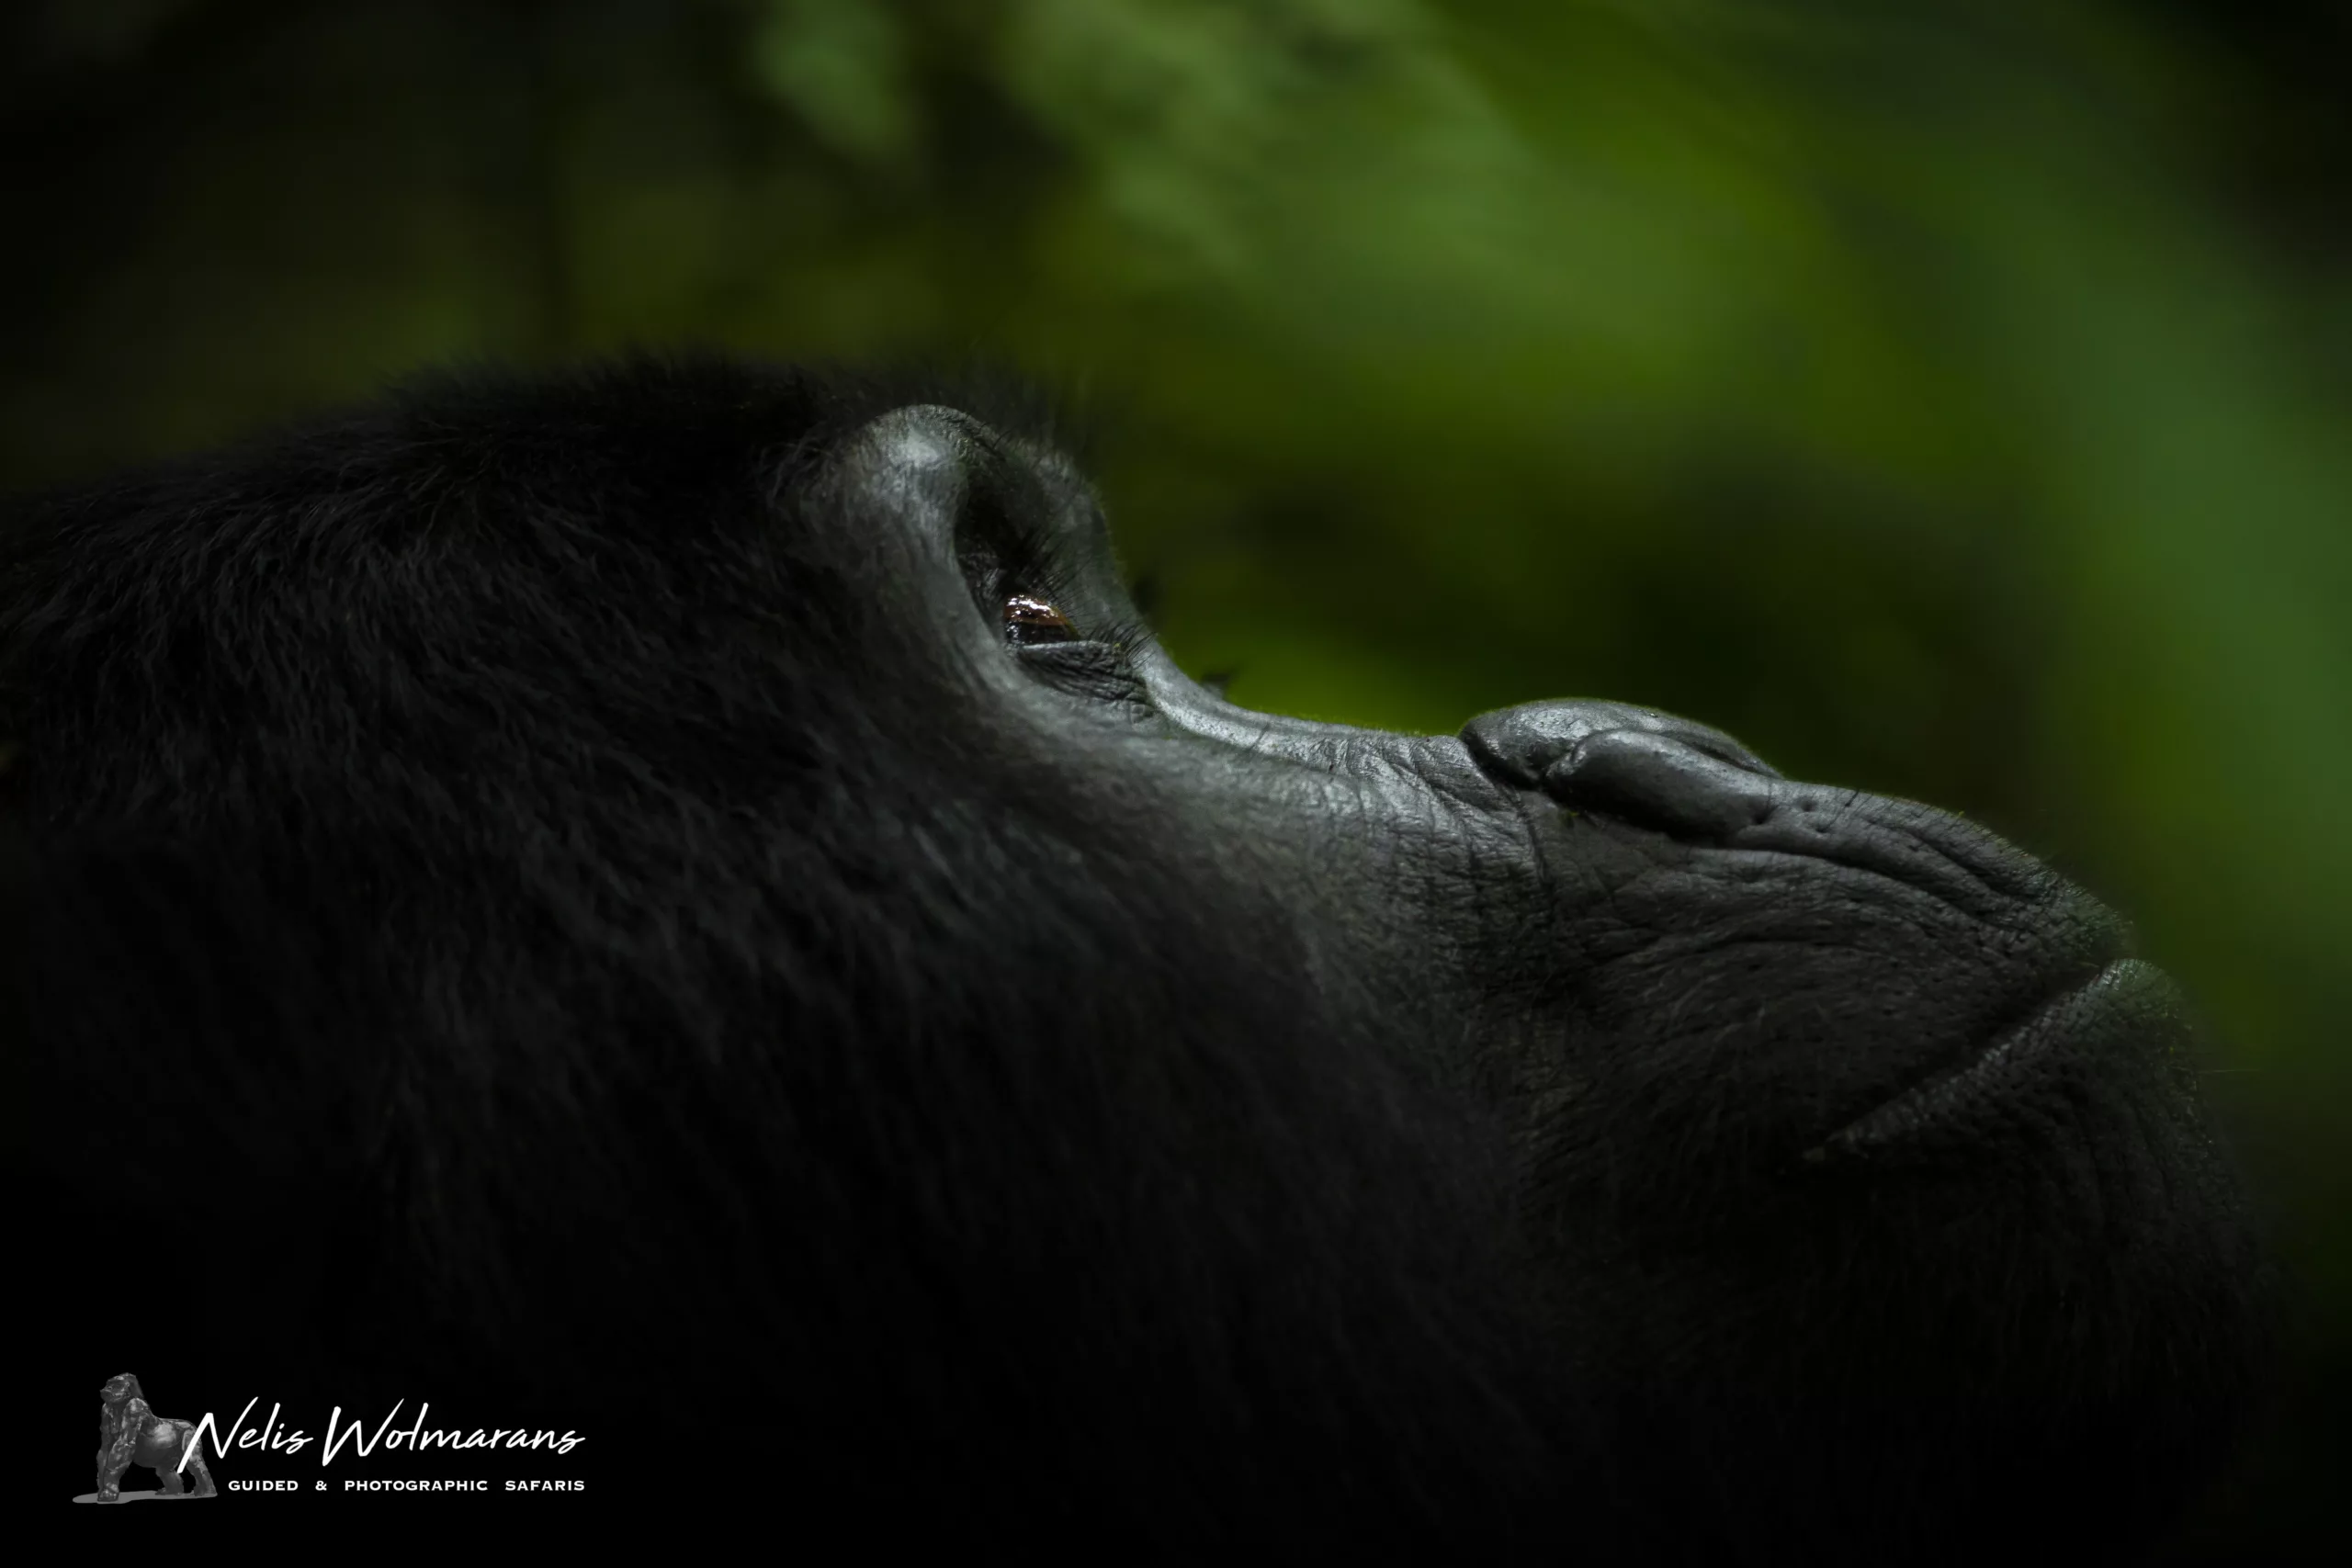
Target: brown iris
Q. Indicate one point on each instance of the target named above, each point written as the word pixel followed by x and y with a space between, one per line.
pixel 1029 621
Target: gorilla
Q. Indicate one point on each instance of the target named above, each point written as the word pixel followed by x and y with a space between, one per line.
pixel 129 1432
pixel 682 893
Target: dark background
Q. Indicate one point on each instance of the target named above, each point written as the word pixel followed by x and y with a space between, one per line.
pixel 1949 399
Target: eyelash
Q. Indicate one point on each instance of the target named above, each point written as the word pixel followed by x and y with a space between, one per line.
pixel 1035 570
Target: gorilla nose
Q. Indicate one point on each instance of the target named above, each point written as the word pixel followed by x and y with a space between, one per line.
pixel 1648 768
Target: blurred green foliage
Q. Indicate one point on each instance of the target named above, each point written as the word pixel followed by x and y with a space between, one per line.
pixel 1949 399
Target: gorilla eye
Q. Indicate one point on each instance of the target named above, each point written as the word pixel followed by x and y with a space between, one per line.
pixel 1030 622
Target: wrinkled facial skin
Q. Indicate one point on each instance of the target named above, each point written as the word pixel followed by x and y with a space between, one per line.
pixel 1840 1123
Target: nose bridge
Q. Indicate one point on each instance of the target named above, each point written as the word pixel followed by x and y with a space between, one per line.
pixel 1520 746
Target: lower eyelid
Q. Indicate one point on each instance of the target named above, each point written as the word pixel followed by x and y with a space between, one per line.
pixel 1080 646
pixel 1098 667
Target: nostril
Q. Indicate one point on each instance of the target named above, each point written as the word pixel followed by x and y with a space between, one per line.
pixel 1520 766
pixel 1664 781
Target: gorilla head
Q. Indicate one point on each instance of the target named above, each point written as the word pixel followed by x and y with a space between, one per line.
pixel 683 893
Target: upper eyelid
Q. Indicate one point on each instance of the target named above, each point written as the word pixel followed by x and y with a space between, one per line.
pixel 1019 565
pixel 1007 516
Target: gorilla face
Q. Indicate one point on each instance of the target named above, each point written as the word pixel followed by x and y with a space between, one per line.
pixel 1624 917
pixel 702 861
